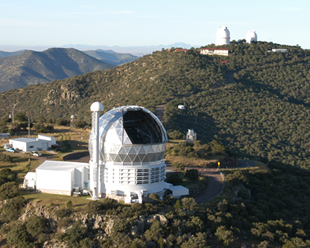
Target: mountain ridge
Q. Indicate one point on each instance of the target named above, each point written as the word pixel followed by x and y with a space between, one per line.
pixel 33 67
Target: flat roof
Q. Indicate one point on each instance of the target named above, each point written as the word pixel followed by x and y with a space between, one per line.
pixel 25 139
pixel 60 165
pixel 209 48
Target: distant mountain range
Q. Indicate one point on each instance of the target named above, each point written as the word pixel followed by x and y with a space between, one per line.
pixel 134 50
pixel 111 57
pixel 9 54
pixel 25 67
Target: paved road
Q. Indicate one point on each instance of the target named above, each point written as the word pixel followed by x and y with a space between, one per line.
pixel 215 184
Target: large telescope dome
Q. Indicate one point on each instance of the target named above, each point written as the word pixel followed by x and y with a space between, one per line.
pixel 132 145
pixel 222 36
pixel 131 134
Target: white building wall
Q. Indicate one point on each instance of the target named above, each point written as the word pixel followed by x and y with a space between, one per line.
pixel 26 146
pixel 51 140
pixel 124 180
pixel 53 181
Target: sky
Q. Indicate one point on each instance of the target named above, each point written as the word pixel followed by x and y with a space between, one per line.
pixel 126 23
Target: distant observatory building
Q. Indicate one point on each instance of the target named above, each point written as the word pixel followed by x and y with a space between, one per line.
pixel 251 36
pixel 222 36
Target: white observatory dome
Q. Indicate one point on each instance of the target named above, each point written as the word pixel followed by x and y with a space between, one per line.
pixel 222 36
pixel 251 36
pixel 131 134
pixel 132 145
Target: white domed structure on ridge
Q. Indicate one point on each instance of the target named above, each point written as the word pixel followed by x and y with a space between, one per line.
pixel 132 144
pixel 222 36
pixel 251 36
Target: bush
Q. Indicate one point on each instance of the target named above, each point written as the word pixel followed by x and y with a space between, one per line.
pixel 62 122
pixel 174 178
pixel 7 175
pixel 94 207
pixel 244 194
pixel 192 175
pixel 178 166
pixel 8 190
pixel 109 203
pixel 176 134
pixel 36 226
pixel 80 124
pixel 75 234
pixel 40 128
pixel 63 212
pixel 12 208
pixel 18 236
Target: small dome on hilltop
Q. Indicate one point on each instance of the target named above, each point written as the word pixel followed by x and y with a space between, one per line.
pixel 222 36
pixel 251 36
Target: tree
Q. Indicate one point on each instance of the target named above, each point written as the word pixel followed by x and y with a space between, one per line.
pixel 198 241
pixel 189 203
pixel 174 178
pixel 154 197
pixel 37 226
pixel 12 208
pixel 224 235
pixel 155 232
pixel 8 190
pixel 20 117
pixel 80 124
pixel 18 236
pixel 192 175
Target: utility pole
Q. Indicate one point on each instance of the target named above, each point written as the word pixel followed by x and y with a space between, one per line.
pixel 28 127
pixel 14 105
pixel 13 113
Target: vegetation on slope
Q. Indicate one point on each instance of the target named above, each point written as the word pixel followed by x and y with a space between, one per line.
pixel 257 106
pixel 259 208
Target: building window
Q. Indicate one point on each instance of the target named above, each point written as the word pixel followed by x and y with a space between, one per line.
pixel 31 146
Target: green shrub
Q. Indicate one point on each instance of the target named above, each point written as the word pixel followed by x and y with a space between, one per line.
pixel 177 166
pixel 176 134
pixel 63 212
pixel 5 158
pixel 192 175
pixel 8 190
pixel 36 226
pixel 12 208
pixel 174 178
pixel 18 236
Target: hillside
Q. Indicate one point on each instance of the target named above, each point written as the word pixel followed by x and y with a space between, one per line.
pixel 111 57
pixel 257 106
pixel 41 67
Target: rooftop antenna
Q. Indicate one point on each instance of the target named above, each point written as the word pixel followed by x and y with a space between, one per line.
pixel 96 107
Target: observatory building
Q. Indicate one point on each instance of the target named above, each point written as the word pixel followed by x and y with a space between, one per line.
pixel 132 144
pixel 251 36
pixel 126 147
pixel 222 36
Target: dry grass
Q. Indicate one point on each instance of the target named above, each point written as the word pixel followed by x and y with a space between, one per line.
pixel 42 199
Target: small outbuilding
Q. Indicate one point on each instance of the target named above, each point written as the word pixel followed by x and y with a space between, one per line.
pixel 30 181
pixel 43 142
pixel 4 135
pixel 61 177
pixel 177 191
